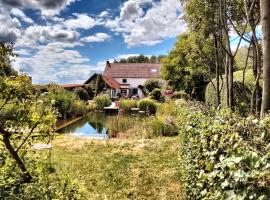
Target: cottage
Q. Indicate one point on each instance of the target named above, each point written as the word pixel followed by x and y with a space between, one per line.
pixel 127 79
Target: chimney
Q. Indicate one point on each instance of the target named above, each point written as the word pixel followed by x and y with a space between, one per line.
pixel 108 63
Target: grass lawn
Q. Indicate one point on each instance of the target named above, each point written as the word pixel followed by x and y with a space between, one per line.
pixel 121 168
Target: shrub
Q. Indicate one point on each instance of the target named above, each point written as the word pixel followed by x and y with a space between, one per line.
pixel 78 108
pixel 46 184
pixel 224 156
pixel 147 105
pixel 162 126
pixel 180 95
pixel 63 101
pixel 157 95
pixel 152 84
pixel 90 91
pixel 81 93
pixel 242 96
pixel 92 107
pixel 102 101
pixel 127 104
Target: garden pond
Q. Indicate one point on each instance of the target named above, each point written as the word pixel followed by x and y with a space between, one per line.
pixel 99 125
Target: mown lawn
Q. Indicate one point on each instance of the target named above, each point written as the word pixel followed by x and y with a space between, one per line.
pixel 121 168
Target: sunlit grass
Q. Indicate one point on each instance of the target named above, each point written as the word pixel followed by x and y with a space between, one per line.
pixel 122 169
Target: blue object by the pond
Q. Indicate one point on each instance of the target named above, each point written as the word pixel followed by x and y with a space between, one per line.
pixel 87 127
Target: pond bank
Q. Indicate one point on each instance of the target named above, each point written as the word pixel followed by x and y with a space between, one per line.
pixel 121 168
pixel 63 123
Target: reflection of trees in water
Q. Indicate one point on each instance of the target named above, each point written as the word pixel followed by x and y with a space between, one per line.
pixel 72 127
pixel 97 121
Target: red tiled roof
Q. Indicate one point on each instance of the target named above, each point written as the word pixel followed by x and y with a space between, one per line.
pixel 132 70
pixel 72 85
pixel 111 82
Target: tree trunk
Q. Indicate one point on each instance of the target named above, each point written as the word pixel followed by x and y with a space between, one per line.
pixel 26 175
pixel 265 21
pixel 217 73
pixel 230 66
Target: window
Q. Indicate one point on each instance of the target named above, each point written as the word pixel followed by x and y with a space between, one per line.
pixel 135 91
pixel 124 80
pixel 153 70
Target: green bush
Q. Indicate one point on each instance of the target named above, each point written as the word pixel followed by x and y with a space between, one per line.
pixel 63 101
pixel 78 108
pixel 127 104
pixel 223 155
pixel 46 183
pixel 90 91
pixel 180 95
pixel 102 101
pixel 162 126
pixel 82 93
pixel 242 96
pixel 152 84
pixel 157 95
pixel 147 105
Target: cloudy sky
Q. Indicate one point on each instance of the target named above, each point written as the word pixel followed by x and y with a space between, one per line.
pixel 65 41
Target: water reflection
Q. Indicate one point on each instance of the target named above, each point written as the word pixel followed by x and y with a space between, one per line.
pixel 92 125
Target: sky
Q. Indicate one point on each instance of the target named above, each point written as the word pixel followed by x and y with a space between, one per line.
pixel 66 41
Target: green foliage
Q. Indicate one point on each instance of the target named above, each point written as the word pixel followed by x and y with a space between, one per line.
pixel 152 84
pixel 46 183
pixel 100 84
pixel 242 96
pixel 102 101
pixel 157 95
pixel 82 93
pixel 185 68
pixel 66 103
pixel 63 102
pixel 223 155
pixel 164 124
pixel 6 52
pixel 127 104
pixel 180 95
pixel 90 91
pixel 79 108
pixel 147 105
pixel 140 59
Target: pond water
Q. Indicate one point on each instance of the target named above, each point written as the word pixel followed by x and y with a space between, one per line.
pixel 91 125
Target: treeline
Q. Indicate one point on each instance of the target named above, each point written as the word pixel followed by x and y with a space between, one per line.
pixel 140 59
pixel 220 36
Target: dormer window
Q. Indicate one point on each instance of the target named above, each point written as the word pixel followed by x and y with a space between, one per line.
pixel 124 80
pixel 153 70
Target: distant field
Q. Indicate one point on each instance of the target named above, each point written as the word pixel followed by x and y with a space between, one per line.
pixel 122 168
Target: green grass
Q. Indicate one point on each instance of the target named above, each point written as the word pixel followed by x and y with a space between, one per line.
pixel 122 168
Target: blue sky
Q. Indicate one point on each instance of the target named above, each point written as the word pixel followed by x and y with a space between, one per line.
pixel 65 41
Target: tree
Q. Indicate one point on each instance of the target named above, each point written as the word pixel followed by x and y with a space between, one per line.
pixel 140 59
pixel 6 52
pixel 152 84
pixel 100 84
pixel 188 67
pixel 82 93
pixel 265 17
pixel 23 114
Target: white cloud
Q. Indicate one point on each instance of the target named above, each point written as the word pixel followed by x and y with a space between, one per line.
pixel 54 63
pixel 9 27
pixel 98 37
pixel 18 13
pixel 40 35
pixel 23 52
pixel 150 26
pixel 82 21
pixel 47 8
